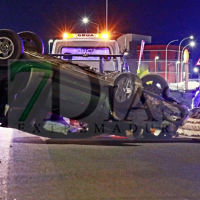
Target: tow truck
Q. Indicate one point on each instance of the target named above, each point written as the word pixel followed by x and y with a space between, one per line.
pixel 94 50
pixel 61 84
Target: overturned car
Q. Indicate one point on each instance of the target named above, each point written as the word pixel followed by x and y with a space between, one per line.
pixel 36 88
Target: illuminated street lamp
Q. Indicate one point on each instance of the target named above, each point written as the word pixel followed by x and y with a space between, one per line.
pixel 166 58
pixel 191 44
pixel 49 42
pixel 196 70
pixel 156 58
pixel 86 20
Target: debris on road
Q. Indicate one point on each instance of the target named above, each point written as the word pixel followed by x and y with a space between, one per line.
pixel 192 125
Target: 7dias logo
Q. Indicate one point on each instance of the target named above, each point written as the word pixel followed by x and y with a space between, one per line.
pixel 36 89
pixel 28 89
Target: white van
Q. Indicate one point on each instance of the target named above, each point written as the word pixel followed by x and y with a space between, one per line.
pixel 92 49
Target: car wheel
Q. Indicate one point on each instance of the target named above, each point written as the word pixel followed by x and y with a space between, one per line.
pixel 127 91
pixel 11 46
pixel 32 41
pixel 156 84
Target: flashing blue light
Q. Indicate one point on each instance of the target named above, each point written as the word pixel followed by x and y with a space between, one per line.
pixel 196 100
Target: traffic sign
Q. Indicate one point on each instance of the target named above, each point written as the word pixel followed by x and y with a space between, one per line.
pixel 198 62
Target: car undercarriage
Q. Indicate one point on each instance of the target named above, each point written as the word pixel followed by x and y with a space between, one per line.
pixel 36 85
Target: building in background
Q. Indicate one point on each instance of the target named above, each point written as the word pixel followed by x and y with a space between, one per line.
pixel 129 42
pixel 154 59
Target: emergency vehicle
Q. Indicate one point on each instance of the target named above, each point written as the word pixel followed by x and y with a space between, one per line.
pixel 94 50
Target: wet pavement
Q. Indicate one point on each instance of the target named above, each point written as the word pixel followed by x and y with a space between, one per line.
pixel 36 168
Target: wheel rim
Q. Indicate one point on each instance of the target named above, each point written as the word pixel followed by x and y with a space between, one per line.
pixel 124 89
pixel 6 48
pixel 32 41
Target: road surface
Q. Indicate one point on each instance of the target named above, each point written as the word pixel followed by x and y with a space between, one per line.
pixel 31 169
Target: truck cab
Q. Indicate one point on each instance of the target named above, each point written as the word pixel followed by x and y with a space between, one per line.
pixel 89 49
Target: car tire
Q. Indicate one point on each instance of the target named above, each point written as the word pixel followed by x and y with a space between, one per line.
pixel 11 46
pixel 127 91
pixel 32 41
pixel 158 86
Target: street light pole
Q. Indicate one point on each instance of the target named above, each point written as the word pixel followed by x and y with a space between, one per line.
pixel 166 58
pixel 97 26
pixel 179 48
pixel 156 58
pixel 86 20
pixel 106 15
pixel 182 65
pixel 192 44
pixel 177 62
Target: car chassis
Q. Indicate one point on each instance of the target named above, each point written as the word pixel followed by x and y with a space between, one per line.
pixel 108 102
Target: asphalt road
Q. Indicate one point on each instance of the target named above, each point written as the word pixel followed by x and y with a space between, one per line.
pixel 32 169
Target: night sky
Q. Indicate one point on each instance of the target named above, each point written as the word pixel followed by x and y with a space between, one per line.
pixel 164 20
